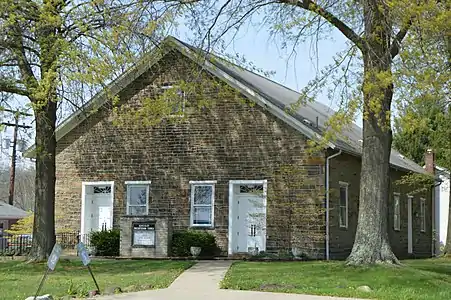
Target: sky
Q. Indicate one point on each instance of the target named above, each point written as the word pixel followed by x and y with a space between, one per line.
pixel 255 45
pixel 294 72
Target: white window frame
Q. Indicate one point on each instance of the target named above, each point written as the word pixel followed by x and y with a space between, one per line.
pixel 423 214
pixel 137 183
pixel 346 186
pixel 168 87
pixel 397 211
pixel 410 201
pixel 193 184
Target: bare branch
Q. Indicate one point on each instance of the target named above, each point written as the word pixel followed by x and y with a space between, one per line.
pixel 331 18
pixel 398 39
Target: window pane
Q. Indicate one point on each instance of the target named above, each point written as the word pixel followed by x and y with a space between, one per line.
pixel 137 210
pixel 202 215
pixel 343 216
pixel 251 188
pixel 203 194
pixel 102 189
pixel 342 196
pixel 137 195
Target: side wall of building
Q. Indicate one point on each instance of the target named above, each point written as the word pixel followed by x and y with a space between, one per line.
pixel 346 168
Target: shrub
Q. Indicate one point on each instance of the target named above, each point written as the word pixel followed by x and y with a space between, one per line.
pixel 106 242
pixel 182 241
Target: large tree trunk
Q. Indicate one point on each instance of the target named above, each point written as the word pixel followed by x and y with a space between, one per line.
pixel 371 243
pixel 44 208
pixel 48 37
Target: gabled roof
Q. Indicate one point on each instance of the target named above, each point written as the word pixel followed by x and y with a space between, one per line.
pixel 11 212
pixel 309 119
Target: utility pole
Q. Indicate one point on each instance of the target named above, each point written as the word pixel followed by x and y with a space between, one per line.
pixel 12 173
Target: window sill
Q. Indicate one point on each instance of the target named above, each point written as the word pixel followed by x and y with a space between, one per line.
pixel 201 226
pixel 143 246
pixel 343 227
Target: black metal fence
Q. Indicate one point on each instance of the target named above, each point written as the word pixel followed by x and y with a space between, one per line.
pixel 21 244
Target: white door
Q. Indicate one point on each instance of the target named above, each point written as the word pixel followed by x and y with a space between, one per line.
pixel 409 225
pixel 248 221
pixel 98 208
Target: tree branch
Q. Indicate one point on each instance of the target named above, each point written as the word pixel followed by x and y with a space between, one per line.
pixel 8 86
pixel 398 39
pixel 331 18
pixel 18 48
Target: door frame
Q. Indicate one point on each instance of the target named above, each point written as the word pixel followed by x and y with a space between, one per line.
pixel 409 225
pixel 232 183
pixel 85 184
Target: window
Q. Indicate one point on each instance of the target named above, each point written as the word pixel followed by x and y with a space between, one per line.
pixel 423 214
pixel 396 212
pixel 202 203
pixel 175 98
pixel 251 189
pixel 137 197
pixel 102 189
pixel 343 205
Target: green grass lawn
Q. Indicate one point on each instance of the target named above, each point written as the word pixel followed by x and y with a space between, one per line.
pixel 19 280
pixel 418 279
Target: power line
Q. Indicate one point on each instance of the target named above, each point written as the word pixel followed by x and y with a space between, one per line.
pixel 16 126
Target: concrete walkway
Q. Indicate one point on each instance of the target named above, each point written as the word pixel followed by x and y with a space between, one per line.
pixel 202 280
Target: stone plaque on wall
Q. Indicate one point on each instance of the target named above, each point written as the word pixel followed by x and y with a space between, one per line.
pixel 143 234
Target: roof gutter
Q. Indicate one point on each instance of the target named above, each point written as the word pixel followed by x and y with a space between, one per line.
pixel 327 202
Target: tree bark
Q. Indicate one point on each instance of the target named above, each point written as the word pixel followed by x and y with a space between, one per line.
pixel 44 208
pixel 49 39
pixel 371 243
pixel 44 216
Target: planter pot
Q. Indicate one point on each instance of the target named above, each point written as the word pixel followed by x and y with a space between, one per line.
pixel 253 251
pixel 91 250
pixel 195 251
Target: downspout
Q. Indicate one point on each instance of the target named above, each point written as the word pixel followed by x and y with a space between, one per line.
pixel 436 218
pixel 327 201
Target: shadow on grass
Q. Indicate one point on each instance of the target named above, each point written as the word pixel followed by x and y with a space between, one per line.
pixel 20 280
pixel 75 267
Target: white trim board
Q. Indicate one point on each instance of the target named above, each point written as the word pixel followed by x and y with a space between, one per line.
pixel 409 224
pixel 138 182
pixel 345 185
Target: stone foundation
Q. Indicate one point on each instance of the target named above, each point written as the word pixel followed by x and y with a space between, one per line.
pixel 145 236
